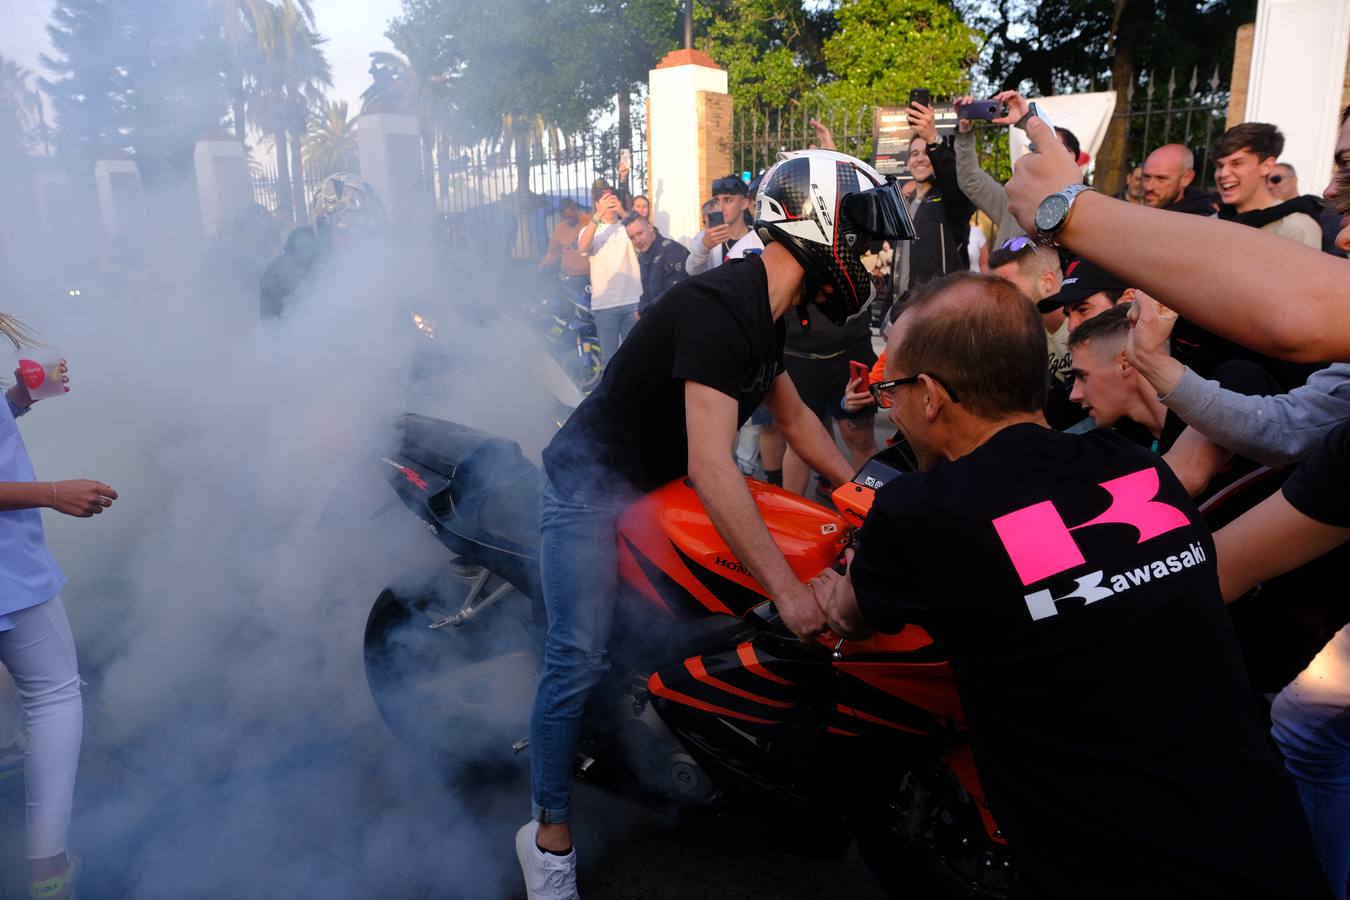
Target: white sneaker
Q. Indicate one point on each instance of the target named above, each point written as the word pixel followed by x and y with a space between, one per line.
pixel 547 876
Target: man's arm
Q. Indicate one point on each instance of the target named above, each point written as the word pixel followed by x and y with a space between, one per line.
pixel 710 416
pixel 586 237
pixel 978 185
pixel 1268 540
pixel 804 433
pixel 1195 460
pixel 699 254
pixel 1215 273
pixel 1272 430
pixel 841 604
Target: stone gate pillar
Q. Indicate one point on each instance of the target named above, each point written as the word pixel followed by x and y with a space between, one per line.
pixel 689 138
pixel 223 184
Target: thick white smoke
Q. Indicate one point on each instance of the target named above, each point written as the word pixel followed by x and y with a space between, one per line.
pixel 231 745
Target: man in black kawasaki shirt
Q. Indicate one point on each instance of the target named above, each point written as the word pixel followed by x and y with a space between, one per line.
pixel 1072 583
pixel 688 376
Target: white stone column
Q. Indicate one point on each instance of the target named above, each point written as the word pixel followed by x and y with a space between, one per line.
pixel 677 149
pixel 120 200
pixel 390 147
pixel 54 199
pixel 223 184
pixel 1297 78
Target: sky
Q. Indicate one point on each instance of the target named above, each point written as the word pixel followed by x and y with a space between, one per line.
pixel 353 27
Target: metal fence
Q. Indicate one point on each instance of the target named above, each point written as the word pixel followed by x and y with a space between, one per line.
pixel 478 195
pixel 1155 114
pixel 758 135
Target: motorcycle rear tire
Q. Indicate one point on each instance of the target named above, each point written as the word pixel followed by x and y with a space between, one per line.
pixel 401 652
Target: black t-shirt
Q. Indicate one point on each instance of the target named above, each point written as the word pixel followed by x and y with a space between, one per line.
pixel 1320 486
pixel 716 329
pixel 1072 584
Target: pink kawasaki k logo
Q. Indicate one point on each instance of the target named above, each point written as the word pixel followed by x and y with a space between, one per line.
pixel 1040 544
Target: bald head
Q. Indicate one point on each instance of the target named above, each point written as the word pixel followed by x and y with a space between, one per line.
pixel 980 337
pixel 1168 171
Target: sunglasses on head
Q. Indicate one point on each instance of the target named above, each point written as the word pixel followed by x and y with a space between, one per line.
pixel 882 390
pixel 729 185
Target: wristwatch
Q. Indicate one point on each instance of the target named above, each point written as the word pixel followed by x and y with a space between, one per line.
pixel 1054 211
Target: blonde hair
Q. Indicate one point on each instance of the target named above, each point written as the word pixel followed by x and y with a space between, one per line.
pixel 19 334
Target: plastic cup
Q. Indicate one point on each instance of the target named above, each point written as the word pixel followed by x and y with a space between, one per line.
pixel 40 370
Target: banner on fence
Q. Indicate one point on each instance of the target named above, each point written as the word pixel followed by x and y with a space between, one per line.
pixel 1086 115
pixel 891 136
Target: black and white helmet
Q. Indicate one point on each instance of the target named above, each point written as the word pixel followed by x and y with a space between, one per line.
pixel 826 208
pixel 345 202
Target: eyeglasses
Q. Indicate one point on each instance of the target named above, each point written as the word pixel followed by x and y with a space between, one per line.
pixel 881 391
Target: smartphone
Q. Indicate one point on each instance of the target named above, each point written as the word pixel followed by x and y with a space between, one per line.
pixel 984 110
pixel 715 218
pixel 922 96
pixel 859 372
pixel 1039 112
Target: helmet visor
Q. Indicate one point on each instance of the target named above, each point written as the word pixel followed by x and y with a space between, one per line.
pixel 880 212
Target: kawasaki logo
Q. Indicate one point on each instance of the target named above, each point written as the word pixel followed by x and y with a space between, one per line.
pixel 1089 588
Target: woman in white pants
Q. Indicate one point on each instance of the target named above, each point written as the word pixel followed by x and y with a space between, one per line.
pixel 36 646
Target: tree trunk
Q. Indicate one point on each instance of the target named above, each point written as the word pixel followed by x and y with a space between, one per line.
pixel 428 142
pixel 1131 16
pixel 626 132
pixel 524 137
pixel 285 207
pixel 298 179
pixel 443 167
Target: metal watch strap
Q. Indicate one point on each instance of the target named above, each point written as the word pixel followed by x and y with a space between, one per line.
pixel 1070 194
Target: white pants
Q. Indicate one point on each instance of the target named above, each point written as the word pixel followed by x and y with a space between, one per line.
pixel 39 652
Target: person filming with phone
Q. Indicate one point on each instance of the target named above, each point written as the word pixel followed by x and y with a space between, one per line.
pixel 728 222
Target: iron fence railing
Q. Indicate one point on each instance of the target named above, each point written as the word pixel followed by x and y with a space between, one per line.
pixel 1155 114
pixel 478 194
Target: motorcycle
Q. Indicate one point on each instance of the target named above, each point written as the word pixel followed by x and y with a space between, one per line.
pixel 709 700
pixel 563 316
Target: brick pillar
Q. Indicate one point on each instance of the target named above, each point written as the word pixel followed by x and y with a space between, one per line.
pixel 714 114
pixel 1242 73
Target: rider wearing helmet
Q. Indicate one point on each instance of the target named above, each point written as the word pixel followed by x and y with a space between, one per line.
pixel 670 402
pixel 344 207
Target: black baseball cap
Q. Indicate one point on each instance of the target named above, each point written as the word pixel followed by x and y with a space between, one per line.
pixel 731 184
pixel 1082 279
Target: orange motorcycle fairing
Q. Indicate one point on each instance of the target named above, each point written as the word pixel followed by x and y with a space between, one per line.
pixel 673 555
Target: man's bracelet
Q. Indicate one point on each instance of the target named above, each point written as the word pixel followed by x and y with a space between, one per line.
pixel 53 484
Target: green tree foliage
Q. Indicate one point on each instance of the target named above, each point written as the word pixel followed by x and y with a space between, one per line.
pixel 330 143
pixel 883 48
pixel 144 78
pixel 1057 46
pixel 18 109
pixel 773 50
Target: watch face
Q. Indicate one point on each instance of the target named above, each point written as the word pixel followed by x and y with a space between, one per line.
pixel 1051 212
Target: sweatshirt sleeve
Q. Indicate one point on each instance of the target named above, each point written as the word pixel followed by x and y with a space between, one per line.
pixel 698 256
pixel 978 185
pixel 1274 431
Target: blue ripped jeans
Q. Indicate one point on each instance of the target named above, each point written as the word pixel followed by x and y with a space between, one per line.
pixel 1312 727
pixel 579 567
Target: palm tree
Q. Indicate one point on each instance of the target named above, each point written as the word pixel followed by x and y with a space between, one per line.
pixel 330 142
pixel 291 74
pixel 18 106
pixel 239 23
